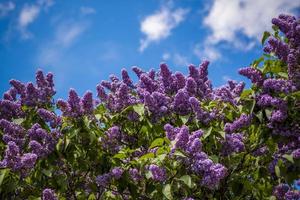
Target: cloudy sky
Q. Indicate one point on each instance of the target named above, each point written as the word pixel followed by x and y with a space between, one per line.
pixel 84 41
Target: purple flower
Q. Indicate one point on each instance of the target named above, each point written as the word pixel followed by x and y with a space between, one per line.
pixel 126 78
pixel 28 160
pixel 243 121
pixel 233 144
pixel 253 74
pixel 182 138
pixel 12 157
pixel 49 194
pixel 280 48
pixel 20 87
pixel 117 172
pixel 214 175
pixel 134 174
pixel 261 151
pixel 101 93
pixel 103 180
pixel 36 148
pixel 181 102
pixel 74 104
pixel 158 173
pixel 87 102
pixel 296 154
pixel 138 71
pixel 278 85
pixel 281 190
pixel 292 195
pixel 170 131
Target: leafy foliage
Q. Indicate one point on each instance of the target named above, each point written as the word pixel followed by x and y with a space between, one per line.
pixel 168 136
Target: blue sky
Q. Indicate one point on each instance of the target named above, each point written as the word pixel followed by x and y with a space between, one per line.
pixel 84 41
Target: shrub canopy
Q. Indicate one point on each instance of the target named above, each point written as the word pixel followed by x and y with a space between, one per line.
pixel 168 136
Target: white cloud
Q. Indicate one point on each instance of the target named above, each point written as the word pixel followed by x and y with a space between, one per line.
pixel 166 56
pixel 87 10
pixel 226 78
pixel 207 52
pixel 67 33
pixel 227 19
pixel 5 8
pixel 179 59
pixel 159 25
pixel 29 14
pixel 239 23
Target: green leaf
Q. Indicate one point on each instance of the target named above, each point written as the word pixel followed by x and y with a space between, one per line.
pixel 277 171
pixel 120 155
pixel 19 121
pixel 268 113
pixel 246 93
pixel 147 156
pixel 214 158
pixel 288 157
pixel 252 106
pixel 207 132
pixel 179 153
pixel 283 74
pixel 3 173
pixel 157 143
pixel 187 180
pixel 47 172
pixel 266 35
pixel 92 197
pixel 184 119
pixel 296 94
pixel 139 109
pixel 167 191
pixel 100 109
pixel 222 133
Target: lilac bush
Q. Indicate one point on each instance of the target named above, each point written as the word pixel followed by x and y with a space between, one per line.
pixel 166 136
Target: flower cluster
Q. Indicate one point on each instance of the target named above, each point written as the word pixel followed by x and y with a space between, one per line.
pixel 49 194
pixel 285 192
pixel 166 135
pixel 166 92
pixel 197 160
pixel 233 143
pixel 287 52
pixel 243 121
pixel 75 106
pixel 24 146
pixel 158 173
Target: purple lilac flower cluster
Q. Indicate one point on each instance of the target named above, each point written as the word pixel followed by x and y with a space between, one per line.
pixel 272 92
pixel 75 106
pixel 289 52
pixel 41 142
pixel 158 173
pixel 243 121
pixel 16 102
pixel 49 194
pixel 229 92
pixel 32 95
pixel 120 92
pixel 21 94
pixel 197 160
pixel 112 139
pixel 105 179
pixel 17 161
pixel 233 144
pixel 165 92
pixel 285 192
